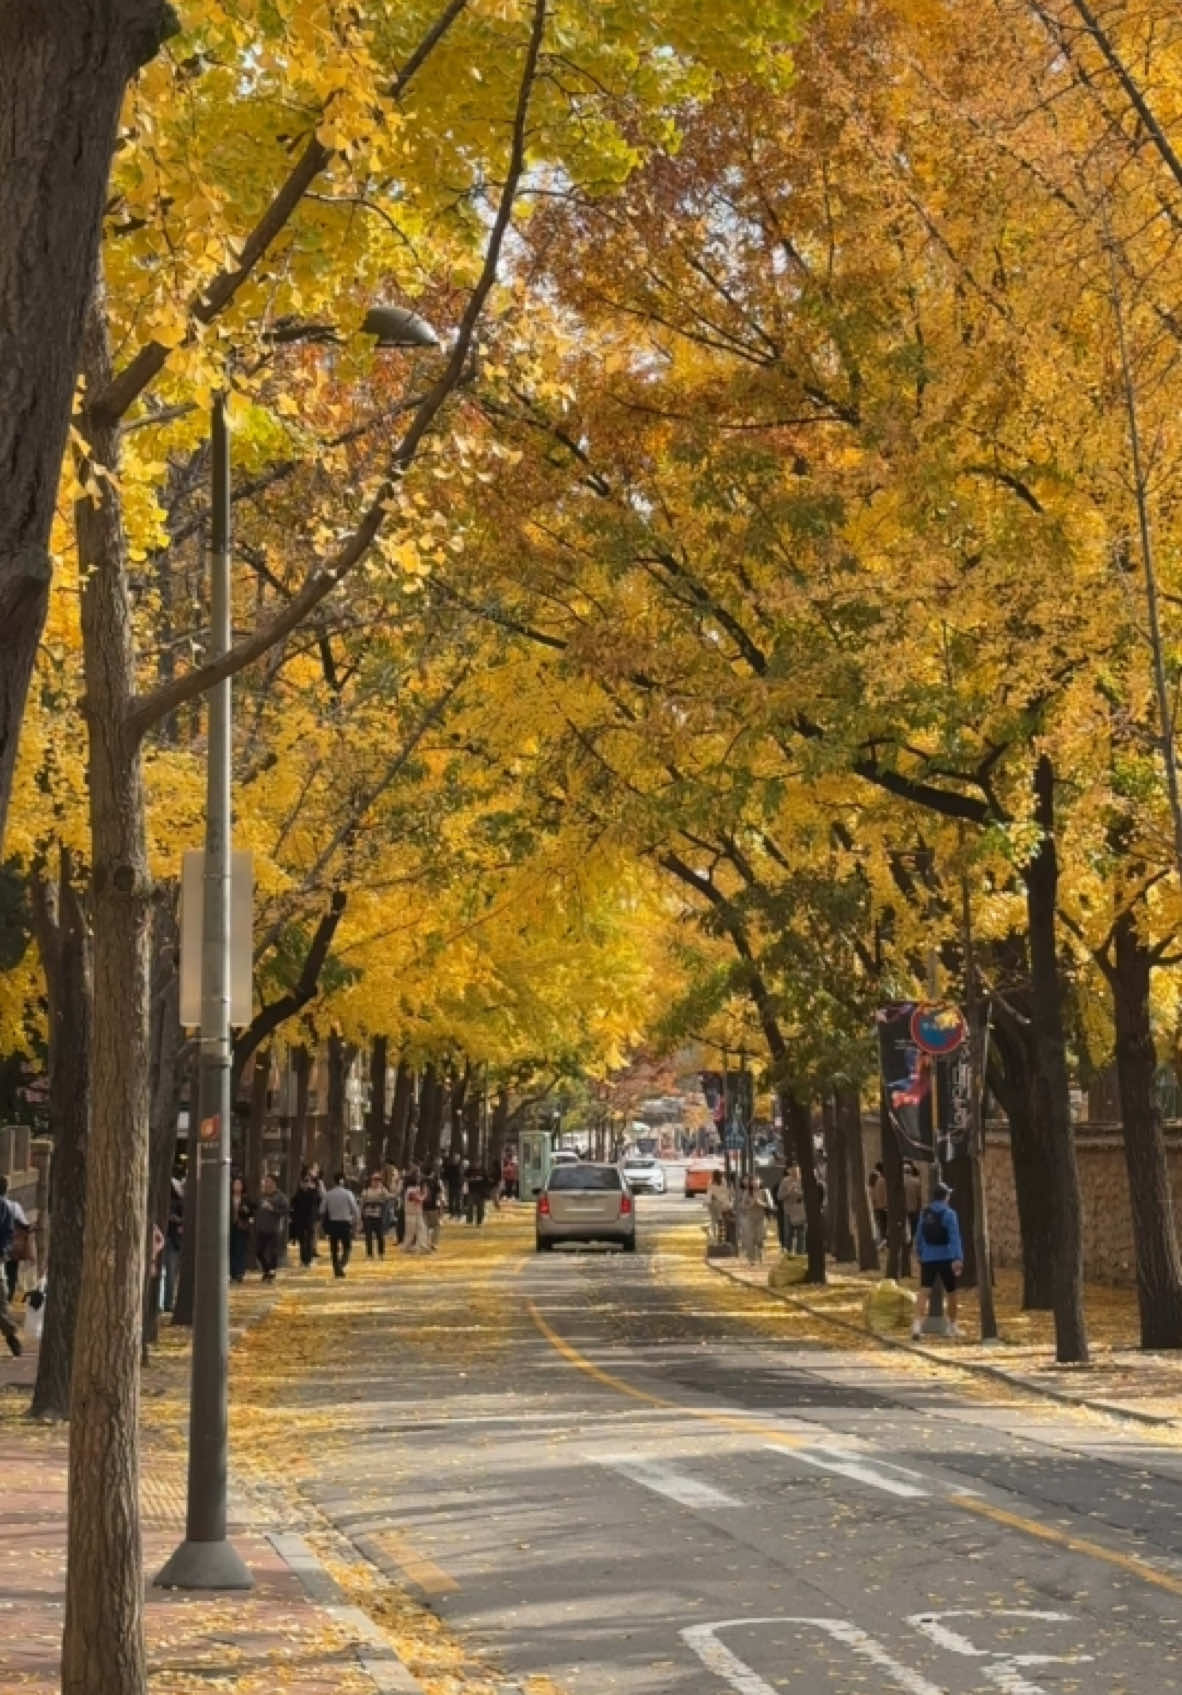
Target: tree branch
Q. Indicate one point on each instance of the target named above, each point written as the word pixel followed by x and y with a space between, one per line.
pixel 268 1018
pixel 148 709
pixel 129 383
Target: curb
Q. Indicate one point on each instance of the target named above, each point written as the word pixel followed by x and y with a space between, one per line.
pixel 998 1373
pixel 375 1655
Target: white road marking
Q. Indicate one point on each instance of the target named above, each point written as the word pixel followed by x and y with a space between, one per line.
pixel 846 1464
pixel 663 1480
pixel 1006 1670
pixel 718 1658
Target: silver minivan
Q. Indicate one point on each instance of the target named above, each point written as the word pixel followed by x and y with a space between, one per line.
pixel 586 1203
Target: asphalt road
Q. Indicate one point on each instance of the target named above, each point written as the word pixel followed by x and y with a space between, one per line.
pixel 606 1472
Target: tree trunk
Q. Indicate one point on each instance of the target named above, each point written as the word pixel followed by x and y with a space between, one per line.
pixel 798 1121
pixel 1011 1077
pixel 256 1124
pixel 1052 1099
pixel 337 1125
pixel 898 1260
pixel 65 953
pixel 297 1148
pixel 1159 1267
pixel 960 1175
pixel 473 1111
pixel 837 1189
pixel 497 1133
pixel 849 1108
pixel 63 72
pixel 375 1138
pixel 164 1091
pixel 103 1639
pixel 430 1111
pixel 461 1093
pixel 404 1088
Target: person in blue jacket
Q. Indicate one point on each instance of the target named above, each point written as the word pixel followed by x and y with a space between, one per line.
pixel 938 1249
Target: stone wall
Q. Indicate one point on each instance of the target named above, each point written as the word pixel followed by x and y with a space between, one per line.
pixel 1104 1192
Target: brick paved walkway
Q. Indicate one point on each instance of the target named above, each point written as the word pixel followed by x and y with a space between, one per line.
pixel 275 1637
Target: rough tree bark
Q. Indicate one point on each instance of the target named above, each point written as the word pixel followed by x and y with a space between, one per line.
pixel 430 1114
pixel 849 1108
pixel 798 1124
pixel 103 1640
pixel 375 1129
pixel 64 941
pixel 1052 1119
pixel 1159 1266
pixel 63 72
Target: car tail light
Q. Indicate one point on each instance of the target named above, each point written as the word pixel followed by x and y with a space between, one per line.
pixel 625 1205
pixel 544 1204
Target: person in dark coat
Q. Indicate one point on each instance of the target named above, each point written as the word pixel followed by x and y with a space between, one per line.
pixel 306 1206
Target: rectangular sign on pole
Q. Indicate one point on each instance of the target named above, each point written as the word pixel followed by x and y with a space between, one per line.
pixel 241 938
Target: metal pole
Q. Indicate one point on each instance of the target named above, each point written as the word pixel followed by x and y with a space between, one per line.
pixel 205 1559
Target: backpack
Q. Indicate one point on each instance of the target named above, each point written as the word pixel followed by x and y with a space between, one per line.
pixel 934 1227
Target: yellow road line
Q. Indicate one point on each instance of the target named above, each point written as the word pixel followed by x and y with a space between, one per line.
pixel 1075 1544
pixel 729 1421
pixel 967 1503
pixel 418 1567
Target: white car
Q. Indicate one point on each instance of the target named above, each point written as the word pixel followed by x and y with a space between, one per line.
pixel 643 1174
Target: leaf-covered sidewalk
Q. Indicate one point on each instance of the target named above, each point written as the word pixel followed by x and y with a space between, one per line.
pixel 1121 1379
pixel 275 1638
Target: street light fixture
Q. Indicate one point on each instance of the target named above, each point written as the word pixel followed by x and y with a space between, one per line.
pixel 206 1559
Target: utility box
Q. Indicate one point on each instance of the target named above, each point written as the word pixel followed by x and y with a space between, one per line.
pixel 536 1147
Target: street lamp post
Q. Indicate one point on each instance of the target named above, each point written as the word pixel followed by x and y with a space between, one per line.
pixel 206 1559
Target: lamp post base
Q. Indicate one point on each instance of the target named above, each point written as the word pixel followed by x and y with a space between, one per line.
pixel 204 1565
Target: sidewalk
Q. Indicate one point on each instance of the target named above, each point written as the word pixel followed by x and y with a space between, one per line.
pixel 290 1633
pixel 1121 1380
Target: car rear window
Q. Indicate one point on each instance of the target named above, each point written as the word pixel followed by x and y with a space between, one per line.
pixel 633 1164
pixel 585 1177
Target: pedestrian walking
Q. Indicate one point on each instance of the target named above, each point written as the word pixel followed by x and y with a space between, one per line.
pixel 414 1239
pixel 790 1196
pixel 941 1257
pixel 477 1194
pixel 912 1197
pixel 453 1178
pixel 752 1208
pixel 341 1218
pixel 241 1229
pixel 718 1206
pixel 18 1248
pixel 7 1232
pixel 432 1207
pixel 270 1220
pixel 878 1201
pixel 307 1204
pixel 375 1212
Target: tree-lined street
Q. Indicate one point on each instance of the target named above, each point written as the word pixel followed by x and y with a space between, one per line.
pixel 629 1473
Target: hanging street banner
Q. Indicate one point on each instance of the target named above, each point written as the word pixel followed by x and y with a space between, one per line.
pixel 927 1077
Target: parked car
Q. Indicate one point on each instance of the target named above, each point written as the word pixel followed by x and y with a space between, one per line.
pixel 585 1203
pixel 699 1174
pixel 643 1173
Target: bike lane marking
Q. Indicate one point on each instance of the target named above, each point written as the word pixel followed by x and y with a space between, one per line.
pixel 744 1680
